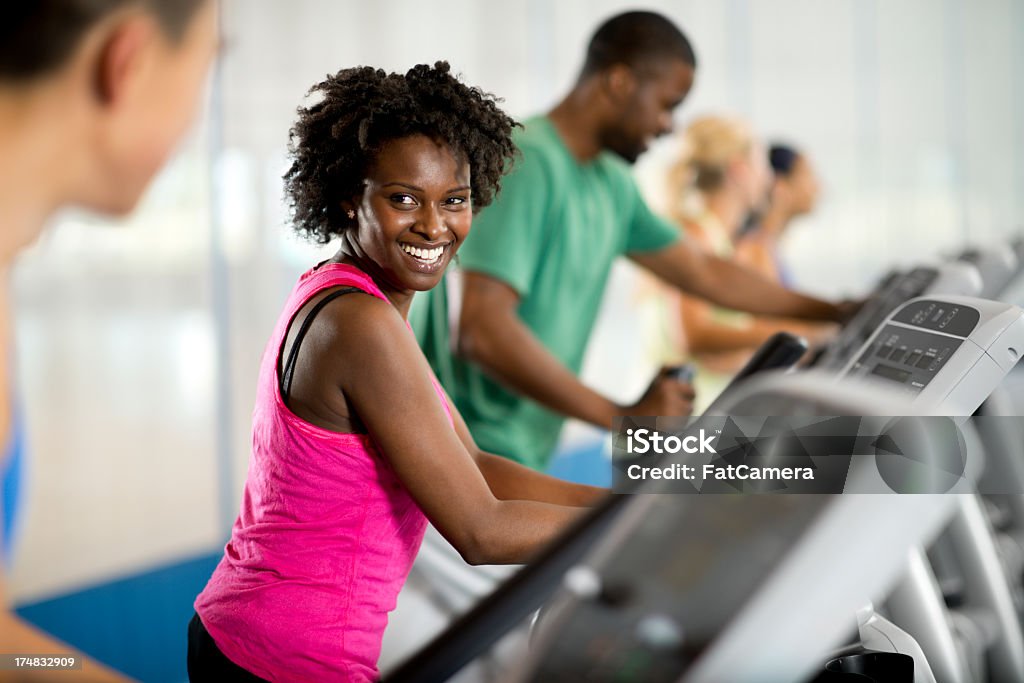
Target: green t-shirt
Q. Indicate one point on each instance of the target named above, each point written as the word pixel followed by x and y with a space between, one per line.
pixel 552 234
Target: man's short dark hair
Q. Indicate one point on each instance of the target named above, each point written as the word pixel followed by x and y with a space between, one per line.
pixel 637 39
pixel 39 36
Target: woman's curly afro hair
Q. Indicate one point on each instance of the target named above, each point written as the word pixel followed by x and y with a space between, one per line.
pixel 335 141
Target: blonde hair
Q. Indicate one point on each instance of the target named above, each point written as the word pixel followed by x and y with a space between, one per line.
pixel 709 145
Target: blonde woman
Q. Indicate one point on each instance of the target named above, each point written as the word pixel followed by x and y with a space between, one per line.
pixel 721 178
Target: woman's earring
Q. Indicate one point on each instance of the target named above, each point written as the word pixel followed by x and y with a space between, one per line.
pixel 351 214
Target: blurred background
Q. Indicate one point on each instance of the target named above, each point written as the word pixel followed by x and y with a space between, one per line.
pixel 138 345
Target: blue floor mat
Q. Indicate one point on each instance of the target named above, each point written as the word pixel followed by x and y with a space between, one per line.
pixel 135 624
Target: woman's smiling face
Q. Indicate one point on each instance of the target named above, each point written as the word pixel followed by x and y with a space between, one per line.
pixel 413 215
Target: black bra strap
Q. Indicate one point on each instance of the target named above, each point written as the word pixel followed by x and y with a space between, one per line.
pixel 288 371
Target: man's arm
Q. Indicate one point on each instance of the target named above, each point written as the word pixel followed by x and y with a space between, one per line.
pixel 722 282
pixel 492 335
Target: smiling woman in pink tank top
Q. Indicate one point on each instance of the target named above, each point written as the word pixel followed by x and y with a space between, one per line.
pixel 355 446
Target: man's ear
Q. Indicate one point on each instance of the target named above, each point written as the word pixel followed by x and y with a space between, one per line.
pixel 620 82
pixel 121 55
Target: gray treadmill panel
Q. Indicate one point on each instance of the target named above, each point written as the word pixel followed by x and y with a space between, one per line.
pixel 732 543
pixel 915 345
pixel 911 357
pixel 940 316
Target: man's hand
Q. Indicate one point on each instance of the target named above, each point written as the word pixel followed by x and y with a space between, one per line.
pixel 664 396
pixel 849 308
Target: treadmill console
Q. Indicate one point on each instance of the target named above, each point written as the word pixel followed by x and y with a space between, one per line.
pixel 962 341
pixel 916 343
pixel 890 293
pixel 954 278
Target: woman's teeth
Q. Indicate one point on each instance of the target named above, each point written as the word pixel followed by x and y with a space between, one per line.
pixel 425 255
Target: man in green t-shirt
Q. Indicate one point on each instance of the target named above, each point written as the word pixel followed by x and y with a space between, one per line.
pixel 536 263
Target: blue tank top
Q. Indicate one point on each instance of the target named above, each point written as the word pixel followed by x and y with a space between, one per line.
pixel 11 474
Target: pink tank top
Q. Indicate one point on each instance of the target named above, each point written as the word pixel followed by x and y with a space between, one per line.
pixel 324 540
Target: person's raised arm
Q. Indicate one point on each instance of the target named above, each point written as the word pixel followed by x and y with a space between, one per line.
pixel 492 335
pixel 696 272
pixel 705 334
pixel 386 380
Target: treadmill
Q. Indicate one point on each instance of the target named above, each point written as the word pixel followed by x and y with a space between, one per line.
pixel 714 588
pixel 950 354
pixel 634 606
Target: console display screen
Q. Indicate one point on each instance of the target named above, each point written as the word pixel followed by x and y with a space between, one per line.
pixel 889 372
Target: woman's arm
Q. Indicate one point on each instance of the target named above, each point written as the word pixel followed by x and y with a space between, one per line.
pixel 364 348
pixel 509 480
pixel 755 251
pixel 704 334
